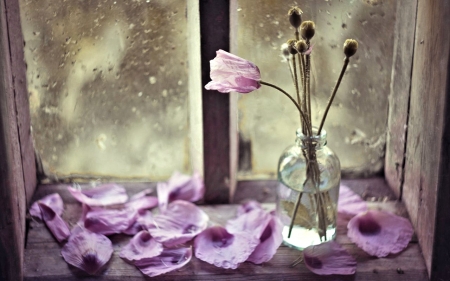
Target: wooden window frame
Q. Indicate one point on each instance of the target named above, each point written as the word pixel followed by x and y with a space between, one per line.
pixel 417 165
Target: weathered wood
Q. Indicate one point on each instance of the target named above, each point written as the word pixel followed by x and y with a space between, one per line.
pixel 427 155
pixel 43 260
pixel 12 192
pixel 397 126
pixel 215 35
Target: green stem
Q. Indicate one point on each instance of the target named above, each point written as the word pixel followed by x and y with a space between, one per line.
pixel 346 61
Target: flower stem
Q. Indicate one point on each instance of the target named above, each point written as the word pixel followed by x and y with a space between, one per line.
pixel 296 83
pixel 346 61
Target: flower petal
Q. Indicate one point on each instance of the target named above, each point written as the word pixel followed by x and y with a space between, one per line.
pixel 52 201
pixel 141 246
pixel 179 223
pixel 329 258
pixel 350 204
pixel 54 222
pixel 380 233
pixel 143 203
pixel 141 194
pixel 254 221
pixel 87 251
pixel 247 207
pixel 168 260
pixel 143 221
pixel 269 241
pixel 180 187
pixel 102 195
pixel 232 73
pixel 217 246
pixel 109 221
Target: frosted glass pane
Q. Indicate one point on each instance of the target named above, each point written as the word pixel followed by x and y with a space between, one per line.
pixel 357 120
pixel 108 86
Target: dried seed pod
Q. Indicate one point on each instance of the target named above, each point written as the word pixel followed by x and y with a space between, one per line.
pixel 350 47
pixel 301 46
pixel 307 29
pixel 295 16
pixel 291 46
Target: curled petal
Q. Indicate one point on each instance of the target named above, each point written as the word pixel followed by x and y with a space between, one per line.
pixel 269 241
pixel 380 233
pixel 143 221
pixel 168 260
pixel 329 258
pixel 143 203
pixel 141 246
pixel 350 204
pixel 141 194
pixel 54 222
pixel 247 207
pixel 180 187
pixel 52 201
pixel 109 221
pixel 102 195
pixel 254 221
pixel 232 73
pixel 217 246
pixel 87 251
pixel 179 223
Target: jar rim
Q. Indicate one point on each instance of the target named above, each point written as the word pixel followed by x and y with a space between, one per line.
pixel 321 137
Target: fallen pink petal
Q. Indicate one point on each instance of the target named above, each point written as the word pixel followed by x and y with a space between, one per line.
pixel 168 260
pixel 179 223
pixel 247 207
pixel 329 258
pixel 141 246
pixel 52 201
pixel 254 221
pixel 102 195
pixel 141 194
pixel 54 222
pixel 380 233
pixel 87 251
pixel 142 203
pixel 109 221
pixel 180 187
pixel 230 73
pixel 350 204
pixel 143 221
pixel 217 246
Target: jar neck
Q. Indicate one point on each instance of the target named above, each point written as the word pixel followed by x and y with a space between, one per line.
pixel 316 141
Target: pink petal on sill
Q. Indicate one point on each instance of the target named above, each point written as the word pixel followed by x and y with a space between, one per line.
pixel 102 195
pixel 143 221
pixel 254 221
pixel 217 246
pixel 54 222
pixel 329 258
pixel 141 194
pixel 350 204
pixel 109 221
pixel 380 233
pixel 247 207
pixel 142 203
pixel 168 260
pixel 141 246
pixel 269 241
pixel 179 223
pixel 87 251
pixel 180 187
pixel 52 201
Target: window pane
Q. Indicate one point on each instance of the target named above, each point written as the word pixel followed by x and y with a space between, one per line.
pixel 108 85
pixel 357 120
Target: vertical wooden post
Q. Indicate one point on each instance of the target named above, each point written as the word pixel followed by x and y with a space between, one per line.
pixel 426 189
pixel 215 35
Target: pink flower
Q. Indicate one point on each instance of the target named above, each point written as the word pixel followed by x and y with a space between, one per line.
pixel 329 258
pixel 380 233
pixel 231 73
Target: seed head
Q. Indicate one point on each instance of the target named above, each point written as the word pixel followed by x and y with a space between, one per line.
pixel 295 16
pixel 291 46
pixel 350 47
pixel 301 46
pixel 307 29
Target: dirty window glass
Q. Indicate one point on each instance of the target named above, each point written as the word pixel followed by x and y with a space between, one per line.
pixel 108 87
pixel 357 120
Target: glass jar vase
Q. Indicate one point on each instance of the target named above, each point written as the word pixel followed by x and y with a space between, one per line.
pixel 309 175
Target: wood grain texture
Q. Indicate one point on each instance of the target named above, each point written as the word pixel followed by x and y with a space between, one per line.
pixel 43 260
pixel 215 35
pixel 18 71
pixel 12 192
pixel 400 87
pixel 426 173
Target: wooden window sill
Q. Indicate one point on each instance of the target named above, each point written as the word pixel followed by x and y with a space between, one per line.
pixel 43 260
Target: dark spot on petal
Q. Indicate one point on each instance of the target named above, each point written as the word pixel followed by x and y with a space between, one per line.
pixel 266 233
pixel 90 261
pixel 145 236
pixel 313 262
pixel 47 213
pixel 174 194
pixel 89 222
pixel 368 226
pixel 221 238
pixel 190 229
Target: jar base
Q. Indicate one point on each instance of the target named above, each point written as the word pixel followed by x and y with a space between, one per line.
pixel 302 237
